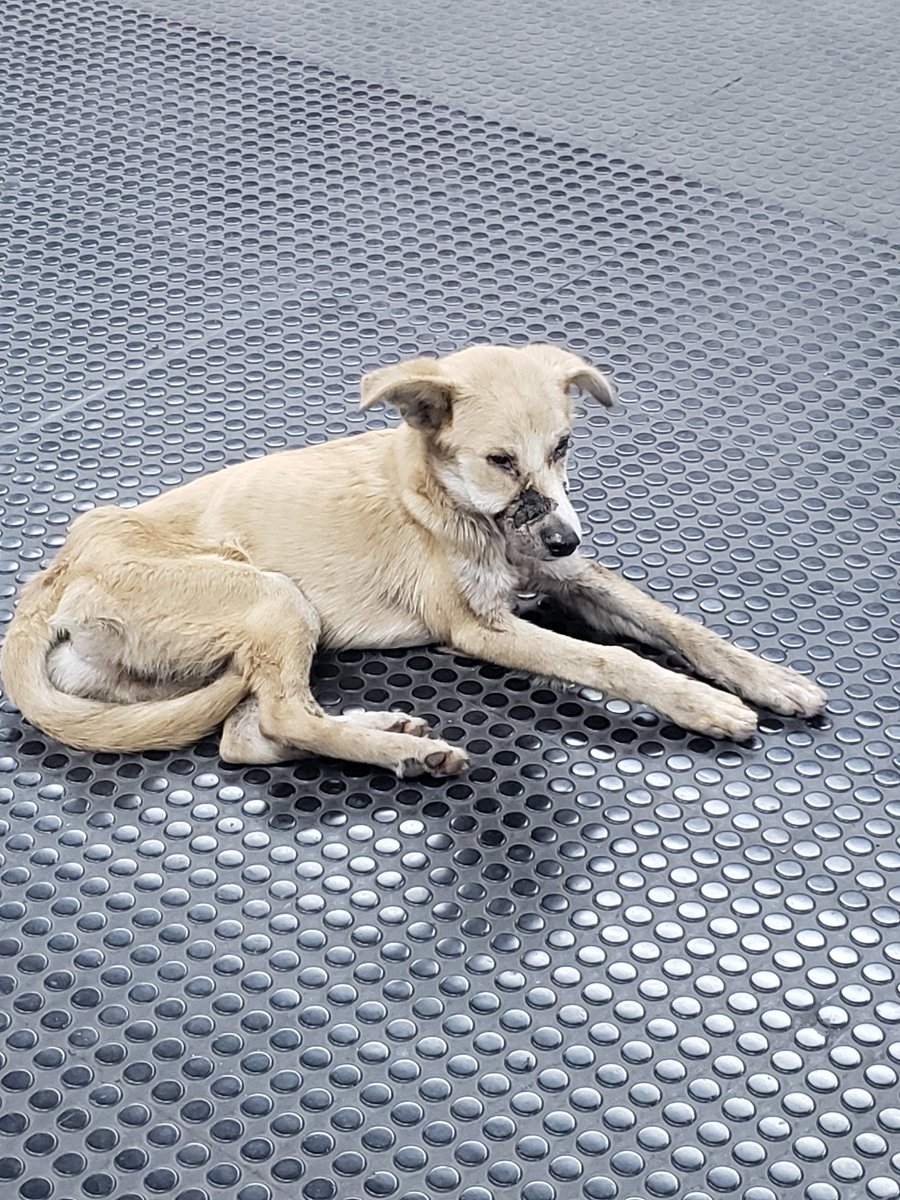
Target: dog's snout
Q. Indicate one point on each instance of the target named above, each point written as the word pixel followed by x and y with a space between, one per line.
pixel 538 529
pixel 530 506
pixel 560 541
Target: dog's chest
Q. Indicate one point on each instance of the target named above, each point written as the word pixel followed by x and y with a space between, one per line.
pixel 487 583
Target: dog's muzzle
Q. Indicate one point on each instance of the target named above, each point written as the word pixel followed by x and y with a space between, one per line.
pixel 533 513
pixel 528 507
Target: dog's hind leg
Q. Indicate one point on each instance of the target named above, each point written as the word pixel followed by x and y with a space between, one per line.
pixel 170 621
pixel 244 742
pixel 274 646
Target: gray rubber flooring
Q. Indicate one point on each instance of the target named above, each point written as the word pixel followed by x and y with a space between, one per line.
pixel 796 103
pixel 615 961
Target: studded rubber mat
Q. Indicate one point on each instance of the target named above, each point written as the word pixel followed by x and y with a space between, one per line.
pixel 615 961
pixel 796 102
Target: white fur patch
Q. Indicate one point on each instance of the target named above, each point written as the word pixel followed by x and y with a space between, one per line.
pixel 533 455
pixel 556 490
pixel 488 586
pixel 466 491
pixel 70 673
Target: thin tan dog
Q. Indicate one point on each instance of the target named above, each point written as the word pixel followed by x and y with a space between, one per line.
pixel 155 624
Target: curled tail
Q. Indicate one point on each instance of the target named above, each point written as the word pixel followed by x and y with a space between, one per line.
pixel 92 724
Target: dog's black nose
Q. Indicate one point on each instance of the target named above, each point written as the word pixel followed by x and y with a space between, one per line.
pixel 560 542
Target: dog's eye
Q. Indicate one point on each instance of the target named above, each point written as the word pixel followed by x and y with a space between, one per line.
pixel 562 447
pixel 505 462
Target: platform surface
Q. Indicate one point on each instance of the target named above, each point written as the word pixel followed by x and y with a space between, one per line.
pixel 615 961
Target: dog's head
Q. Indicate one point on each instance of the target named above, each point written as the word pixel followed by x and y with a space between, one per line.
pixel 496 423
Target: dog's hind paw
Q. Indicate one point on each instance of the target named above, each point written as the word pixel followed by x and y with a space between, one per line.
pixel 404 723
pixel 388 722
pixel 437 759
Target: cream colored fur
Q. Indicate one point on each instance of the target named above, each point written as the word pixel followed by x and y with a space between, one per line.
pixel 156 624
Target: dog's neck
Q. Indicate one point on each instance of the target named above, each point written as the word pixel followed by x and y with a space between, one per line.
pixel 474 543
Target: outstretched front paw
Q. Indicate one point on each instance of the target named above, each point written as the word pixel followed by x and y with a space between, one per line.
pixel 781 690
pixel 704 709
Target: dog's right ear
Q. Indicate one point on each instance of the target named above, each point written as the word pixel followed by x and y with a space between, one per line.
pixel 419 390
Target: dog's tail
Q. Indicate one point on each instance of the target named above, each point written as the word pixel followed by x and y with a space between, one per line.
pixel 92 724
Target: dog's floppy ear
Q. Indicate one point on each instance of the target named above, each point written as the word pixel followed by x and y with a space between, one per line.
pixel 575 372
pixel 419 390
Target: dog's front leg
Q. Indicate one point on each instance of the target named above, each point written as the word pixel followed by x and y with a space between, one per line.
pixel 612 605
pixel 515 643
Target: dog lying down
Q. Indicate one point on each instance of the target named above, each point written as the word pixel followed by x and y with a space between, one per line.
pixel 205 605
